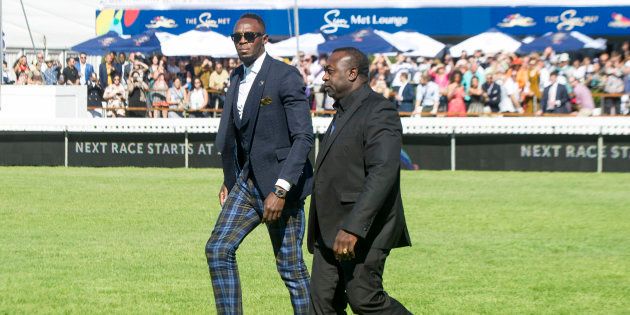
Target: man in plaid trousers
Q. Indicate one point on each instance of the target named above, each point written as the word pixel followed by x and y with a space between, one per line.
pixel 264 137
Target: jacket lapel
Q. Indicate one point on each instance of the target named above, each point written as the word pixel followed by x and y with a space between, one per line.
pixel 250 112
pixel 340 123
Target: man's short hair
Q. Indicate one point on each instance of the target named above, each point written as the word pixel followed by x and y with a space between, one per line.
pixel 404 74
pixel 256 17
pixel 357 60
pixel 68 59
pixel 554 72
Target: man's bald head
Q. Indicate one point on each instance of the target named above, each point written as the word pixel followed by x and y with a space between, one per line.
pixel 347 70
pixel 354 58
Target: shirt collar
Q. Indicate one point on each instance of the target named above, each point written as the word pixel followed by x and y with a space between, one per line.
pixel 255 67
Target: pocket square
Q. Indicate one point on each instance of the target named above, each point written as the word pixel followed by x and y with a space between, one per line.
pixel 265 101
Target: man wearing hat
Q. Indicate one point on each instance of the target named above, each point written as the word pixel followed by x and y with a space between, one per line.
pixel 52 72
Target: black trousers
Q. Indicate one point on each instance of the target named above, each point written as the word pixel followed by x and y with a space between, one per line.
pixel 358 282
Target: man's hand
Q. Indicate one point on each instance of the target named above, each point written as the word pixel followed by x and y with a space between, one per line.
pixel 223 193
pixel 343 247
pixel 273 208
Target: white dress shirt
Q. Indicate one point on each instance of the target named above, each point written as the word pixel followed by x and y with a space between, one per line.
pixel 246 84
pixel 551 96
pixel 249 76
pixel 399 95
pixel 428 94
pixel 82 78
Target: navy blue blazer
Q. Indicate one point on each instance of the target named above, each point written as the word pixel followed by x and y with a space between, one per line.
pixel 277 125
pixel 88 70
pixel 562 95
pixel 408 96
pixel 102 73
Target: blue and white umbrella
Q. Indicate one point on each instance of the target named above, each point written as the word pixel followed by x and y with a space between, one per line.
pixel 98 45
pixel 146 42
pixel 563 42
pixel 365 40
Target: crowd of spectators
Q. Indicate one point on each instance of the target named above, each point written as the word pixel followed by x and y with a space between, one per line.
pixel 468 85
pixel 134 85
pixel 481 84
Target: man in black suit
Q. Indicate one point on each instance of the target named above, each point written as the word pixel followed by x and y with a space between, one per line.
pixel 491 93
pixel 555 98
pixel 356 214
pixel 264 137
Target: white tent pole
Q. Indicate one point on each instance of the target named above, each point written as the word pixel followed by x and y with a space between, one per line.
pixel 289 22
pixel 28 26
pixel 297 28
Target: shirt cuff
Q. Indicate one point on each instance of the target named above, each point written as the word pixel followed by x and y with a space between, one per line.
pixel 283 184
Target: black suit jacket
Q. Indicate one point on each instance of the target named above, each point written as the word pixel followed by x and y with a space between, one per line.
pixel 357 177
pixel 494 94
pixel 562 95
pixel 277 125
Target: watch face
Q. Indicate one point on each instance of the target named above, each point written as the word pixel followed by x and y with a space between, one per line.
pixel 281 193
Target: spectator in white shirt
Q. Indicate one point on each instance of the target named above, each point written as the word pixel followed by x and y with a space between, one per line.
pixel 427 96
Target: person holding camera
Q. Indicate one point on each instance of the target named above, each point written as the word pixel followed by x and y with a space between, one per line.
pixel 137 89
pixel 116 96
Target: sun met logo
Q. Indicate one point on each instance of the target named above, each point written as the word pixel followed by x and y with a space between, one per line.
pixel 205 21
pixel 569 20
pixel 333 22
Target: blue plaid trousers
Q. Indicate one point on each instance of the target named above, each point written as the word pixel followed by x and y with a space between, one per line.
pixel 241 213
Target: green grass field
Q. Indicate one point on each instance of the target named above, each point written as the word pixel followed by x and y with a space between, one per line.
pixel 129 241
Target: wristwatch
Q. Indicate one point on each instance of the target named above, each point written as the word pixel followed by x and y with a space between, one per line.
pixel 279 192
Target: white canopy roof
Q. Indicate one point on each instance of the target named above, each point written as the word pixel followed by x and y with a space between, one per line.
pixel 413 43
pixel 56 24
pixel 488 42
pixel 288 47
pixel 589 42
pixel 198 43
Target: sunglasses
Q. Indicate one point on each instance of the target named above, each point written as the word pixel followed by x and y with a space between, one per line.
pixel 250 37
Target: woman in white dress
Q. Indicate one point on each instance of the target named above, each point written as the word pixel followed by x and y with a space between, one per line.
pixel 116 96
pixel 198 99
pixel 177 97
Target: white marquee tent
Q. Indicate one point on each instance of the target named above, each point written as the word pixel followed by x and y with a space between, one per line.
pixel 413 43
pixel 491 41
pixel 287 48
pixel 56 24
pixel 203 43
